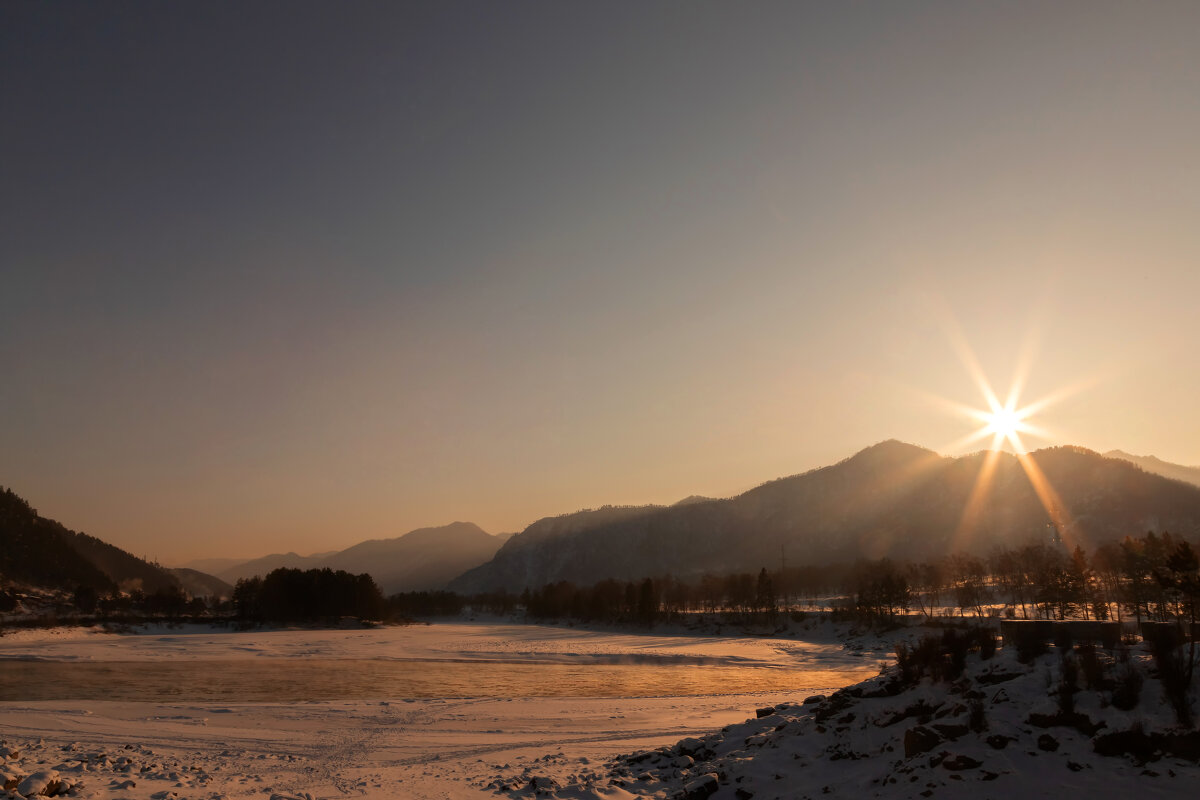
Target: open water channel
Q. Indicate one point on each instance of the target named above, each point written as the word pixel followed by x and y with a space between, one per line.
pixel 296 680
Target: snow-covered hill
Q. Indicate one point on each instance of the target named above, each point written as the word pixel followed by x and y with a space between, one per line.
pixel 1000 729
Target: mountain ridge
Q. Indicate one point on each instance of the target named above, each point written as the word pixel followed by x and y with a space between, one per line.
pixel 892 499
pixel 420 560
pixel 1156 465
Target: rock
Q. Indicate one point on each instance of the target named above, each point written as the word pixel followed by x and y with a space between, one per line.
pixel 1047 743
pixel 701 787
pixel 920 739
pixel 951 711
pixel 743 794
pixel 683 762
pixel 1061 719
pixel 543 784
pixel 1132 742
pixel 921 710
pixel 128 783
pixel 45 782
pixel 8 780
pixel 998 741
pixel 950 731
pixel 764 712
pixel 9 752
pixel 816 698
pixel 689 746
pixel 960 762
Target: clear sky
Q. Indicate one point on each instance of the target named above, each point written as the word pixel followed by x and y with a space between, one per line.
pixel 288 275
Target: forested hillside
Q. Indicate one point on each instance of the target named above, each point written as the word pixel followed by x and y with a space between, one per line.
pixel 41 552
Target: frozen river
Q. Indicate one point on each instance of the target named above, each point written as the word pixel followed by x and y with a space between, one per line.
pixel 408 712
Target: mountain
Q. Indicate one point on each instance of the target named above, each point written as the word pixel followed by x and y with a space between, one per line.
pixel 201 584
pixel 1160 467
pixel 212 566
pixel 44 553
pixel 265 564
pixel 890 500
pixel 424 559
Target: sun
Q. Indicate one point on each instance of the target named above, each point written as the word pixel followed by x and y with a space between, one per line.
pixel 1005 423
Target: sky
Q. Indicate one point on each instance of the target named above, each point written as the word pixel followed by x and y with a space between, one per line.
pixel 285 276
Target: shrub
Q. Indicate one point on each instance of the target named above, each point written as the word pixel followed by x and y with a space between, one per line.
pixel 1089 665
pixel 1127 688
pixel 1069 684
pixel 943 657
pixel 1175 671
pixel 986 638
pixel 1030 643
pixel 976 719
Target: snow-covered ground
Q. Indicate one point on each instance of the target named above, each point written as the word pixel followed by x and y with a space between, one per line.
pixel 383 747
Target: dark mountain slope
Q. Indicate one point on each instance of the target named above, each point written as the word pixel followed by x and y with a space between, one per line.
pixel 892 499
pixel 41 552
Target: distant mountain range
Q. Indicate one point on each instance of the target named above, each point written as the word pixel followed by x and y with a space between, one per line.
pixel 424 559
pixel 1159 467
pixel 892 499
pixel 200 584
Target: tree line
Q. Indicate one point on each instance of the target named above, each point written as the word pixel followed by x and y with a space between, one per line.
pixel 1148 578
pixel 294 595
pixel 1155 577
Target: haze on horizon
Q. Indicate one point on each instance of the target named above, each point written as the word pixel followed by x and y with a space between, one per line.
pixel 279 277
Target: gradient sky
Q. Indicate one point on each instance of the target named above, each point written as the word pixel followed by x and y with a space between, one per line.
pixel 287 276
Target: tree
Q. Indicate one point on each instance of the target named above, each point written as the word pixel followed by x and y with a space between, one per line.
pixel 764 595
pixel 647 608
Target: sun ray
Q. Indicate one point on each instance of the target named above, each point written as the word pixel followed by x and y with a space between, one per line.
pixel 973 510
pixel 1050 500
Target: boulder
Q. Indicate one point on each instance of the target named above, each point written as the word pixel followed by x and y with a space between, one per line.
pixel 701 787
pixel 920 739
pixel 950 730
pixel 960 762
pixel 44 782
pixel 689 747
pixel 543 784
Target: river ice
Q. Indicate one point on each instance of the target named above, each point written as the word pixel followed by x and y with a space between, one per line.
pixel 390 747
